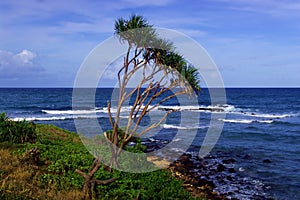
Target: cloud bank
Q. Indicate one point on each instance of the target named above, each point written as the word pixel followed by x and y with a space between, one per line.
pixel 22 65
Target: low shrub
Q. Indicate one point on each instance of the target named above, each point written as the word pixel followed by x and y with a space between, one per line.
pixel 16 131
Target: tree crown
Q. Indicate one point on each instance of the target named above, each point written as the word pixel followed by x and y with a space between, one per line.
pixel 136 31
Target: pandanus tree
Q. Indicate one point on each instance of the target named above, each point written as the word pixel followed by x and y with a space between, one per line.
pixel 160 70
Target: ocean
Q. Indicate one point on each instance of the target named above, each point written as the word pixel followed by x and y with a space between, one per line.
pixel 261 129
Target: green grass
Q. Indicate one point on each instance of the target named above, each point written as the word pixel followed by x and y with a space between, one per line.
pixel 53 176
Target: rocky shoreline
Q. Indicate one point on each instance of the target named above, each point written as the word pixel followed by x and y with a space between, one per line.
pixel 214 176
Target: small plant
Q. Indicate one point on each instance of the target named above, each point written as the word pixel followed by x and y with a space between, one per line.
pixel 32 156
pixel 16 132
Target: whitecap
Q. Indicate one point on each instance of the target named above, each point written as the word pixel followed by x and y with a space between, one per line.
pixel 84 112
pixel 174 149
pixel 39 118
pixel 266 121
pixel 262 115
pixel 246 121
pixel 241 169
pixel 123 109
pixel 176 140
pixel 197 108
pixel 243 121
pixel 71 112
pixel 169 126
pixel 270 115
pixel 54 118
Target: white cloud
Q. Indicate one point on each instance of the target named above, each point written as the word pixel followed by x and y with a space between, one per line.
pixel 25 57
pixel 18 66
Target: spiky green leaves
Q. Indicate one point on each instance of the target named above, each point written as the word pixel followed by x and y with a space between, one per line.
pixel 139 34
pixel 136 31
pixel 135 21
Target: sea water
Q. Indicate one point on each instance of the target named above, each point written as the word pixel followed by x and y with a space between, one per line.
pixel 261 129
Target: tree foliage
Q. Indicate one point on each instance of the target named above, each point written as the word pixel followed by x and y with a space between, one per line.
pixel 160 70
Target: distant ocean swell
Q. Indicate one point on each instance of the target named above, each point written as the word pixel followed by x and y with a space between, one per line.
pixel 247 116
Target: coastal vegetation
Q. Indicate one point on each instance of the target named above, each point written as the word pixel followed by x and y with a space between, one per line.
pixel 45 169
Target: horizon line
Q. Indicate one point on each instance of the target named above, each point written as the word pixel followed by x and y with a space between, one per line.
pixel 230 87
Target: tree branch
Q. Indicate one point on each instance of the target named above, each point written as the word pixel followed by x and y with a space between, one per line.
pixel 155 125
pixel 104 182
pixel 109 114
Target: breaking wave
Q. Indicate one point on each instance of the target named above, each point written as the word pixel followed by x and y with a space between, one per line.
pixel 54 115
pixel 246 121
pixel 53 118
pixel 169 126
pixel 216 108
pixel 71 112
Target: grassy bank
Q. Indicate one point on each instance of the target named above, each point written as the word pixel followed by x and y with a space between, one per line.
pixel 45 169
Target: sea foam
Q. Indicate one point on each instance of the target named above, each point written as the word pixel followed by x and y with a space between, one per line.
pixel 246 121
pixel 169 126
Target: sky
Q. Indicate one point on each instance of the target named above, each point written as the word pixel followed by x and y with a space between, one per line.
pixel 253 43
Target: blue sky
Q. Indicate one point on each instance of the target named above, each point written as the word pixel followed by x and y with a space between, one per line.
pixel 254 43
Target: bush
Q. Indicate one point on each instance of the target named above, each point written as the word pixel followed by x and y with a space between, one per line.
pixel 16 132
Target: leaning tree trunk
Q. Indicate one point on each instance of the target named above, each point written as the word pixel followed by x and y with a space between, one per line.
pixel 90 181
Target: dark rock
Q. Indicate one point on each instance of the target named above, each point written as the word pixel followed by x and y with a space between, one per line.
pixel 183 158
pixel 187 155
pixel 229 178
pixel 167 109
pixel 231 170
pixel 267 161
pixel 191 181
pixel 186 162
pixel 229 161
pixel 212 109
pixel 212 170
pixel 150 149
pixel 206 182
pixel 221 168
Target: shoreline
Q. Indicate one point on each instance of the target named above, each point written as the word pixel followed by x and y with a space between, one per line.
pixel 197 188
pixel 214 176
